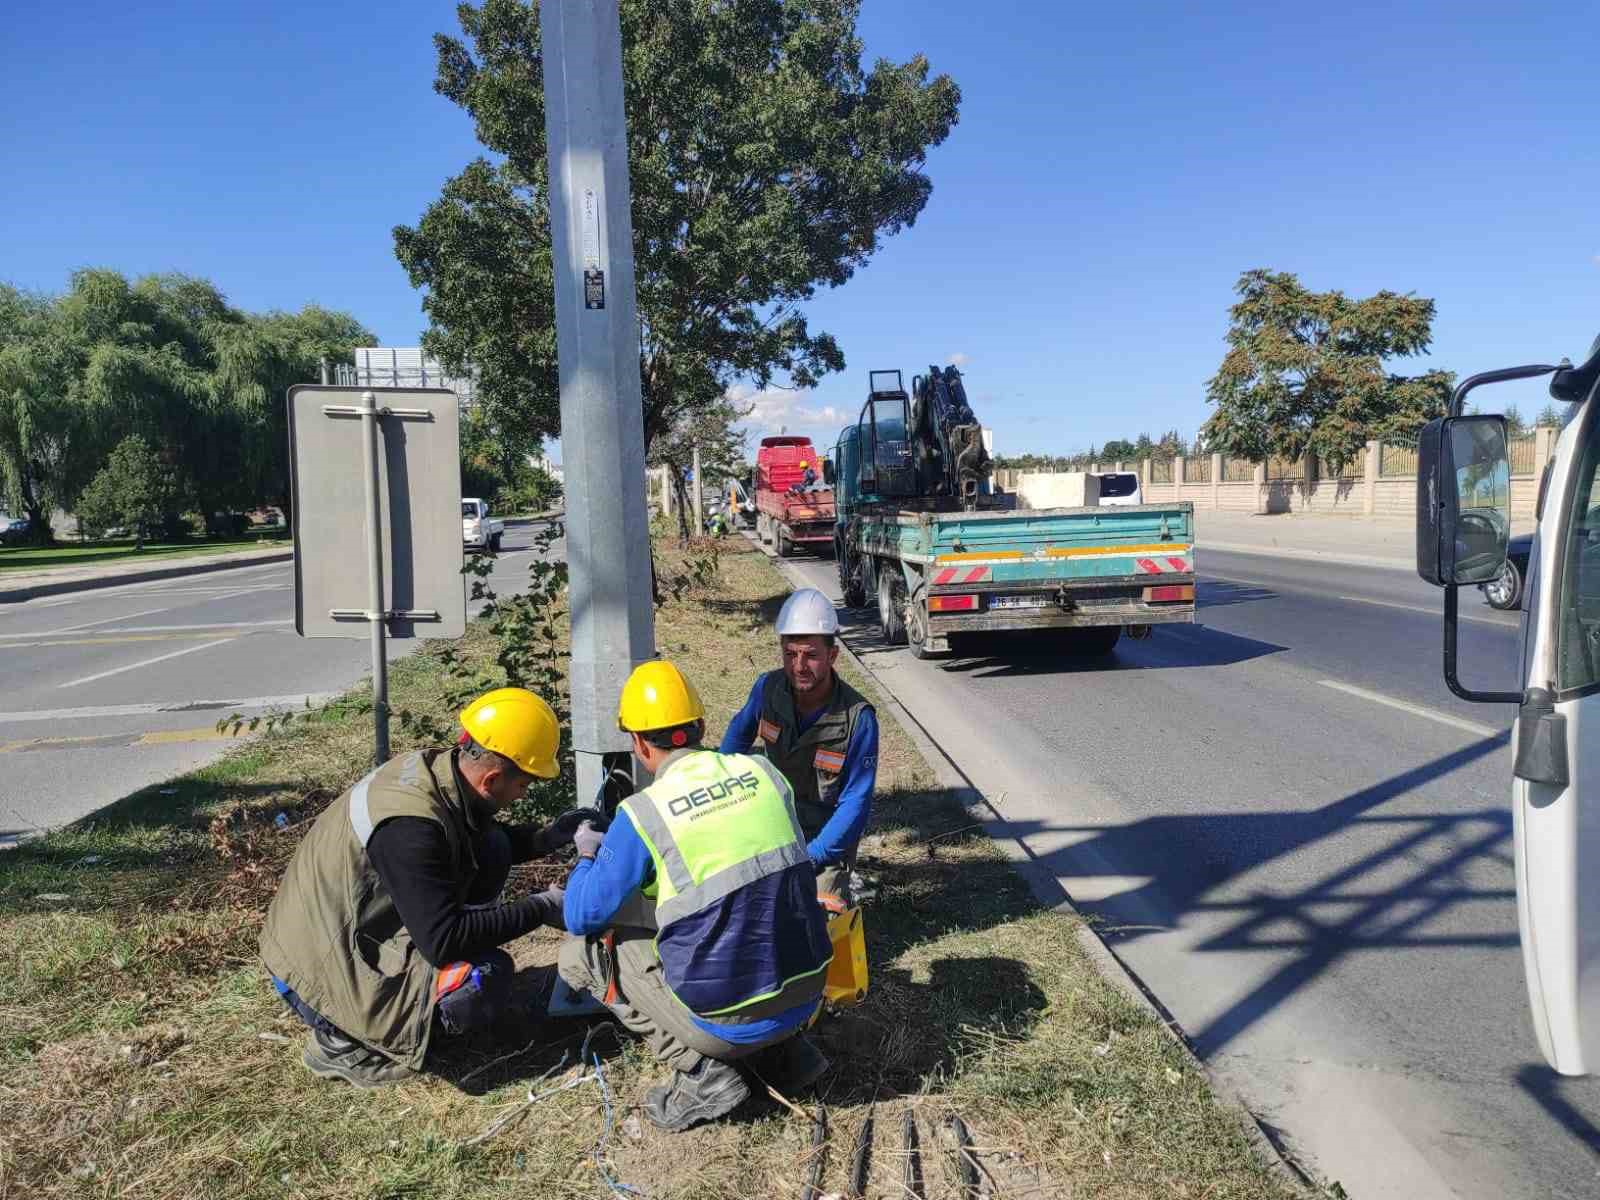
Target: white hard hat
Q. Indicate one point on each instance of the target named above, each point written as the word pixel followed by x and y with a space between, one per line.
pixel 807 611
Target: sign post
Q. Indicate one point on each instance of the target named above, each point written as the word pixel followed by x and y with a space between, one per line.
pixel 404 553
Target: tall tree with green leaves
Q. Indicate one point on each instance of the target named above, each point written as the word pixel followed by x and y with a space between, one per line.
pixel 47 436
pixel 134 489
pixel 1307 372
pixel 765 162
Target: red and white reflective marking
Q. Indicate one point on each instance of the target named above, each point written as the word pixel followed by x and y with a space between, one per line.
pixel 962 575
pixel 1153 566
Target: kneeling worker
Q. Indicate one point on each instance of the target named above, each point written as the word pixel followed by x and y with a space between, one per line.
pixel 386 923
pixel 736 966
pixel 820 732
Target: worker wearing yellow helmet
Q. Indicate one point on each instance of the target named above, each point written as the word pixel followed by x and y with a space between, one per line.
pixel 387 924
pixel 734 967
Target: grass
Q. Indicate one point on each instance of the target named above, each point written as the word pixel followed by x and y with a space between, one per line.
pixel 76 554
pixel 143 1054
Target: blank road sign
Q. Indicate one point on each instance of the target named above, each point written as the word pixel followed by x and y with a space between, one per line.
pixel 419 490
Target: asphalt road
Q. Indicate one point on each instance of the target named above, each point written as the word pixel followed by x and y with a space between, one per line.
pixel 1300 843
pixel 108 691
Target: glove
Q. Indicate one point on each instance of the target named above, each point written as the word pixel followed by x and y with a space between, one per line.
pixel 559 832
pixel 551 903
pixel 587 839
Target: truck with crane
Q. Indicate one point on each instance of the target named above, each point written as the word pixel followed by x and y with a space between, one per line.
pixel 919 531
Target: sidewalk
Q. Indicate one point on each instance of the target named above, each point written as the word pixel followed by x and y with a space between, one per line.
pixel 1358 541
pixel 16 586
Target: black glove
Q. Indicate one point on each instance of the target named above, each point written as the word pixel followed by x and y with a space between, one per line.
pixel 550 904
pixel 559 832
pixel 587 839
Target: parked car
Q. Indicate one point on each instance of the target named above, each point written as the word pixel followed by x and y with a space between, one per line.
pixel 1120 487
pixel 1504 591
pixel 479 530
pixel 13 529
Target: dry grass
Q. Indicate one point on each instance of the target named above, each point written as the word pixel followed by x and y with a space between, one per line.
pixel 142 1053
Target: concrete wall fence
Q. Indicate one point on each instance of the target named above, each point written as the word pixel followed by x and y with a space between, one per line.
pixel 1382 482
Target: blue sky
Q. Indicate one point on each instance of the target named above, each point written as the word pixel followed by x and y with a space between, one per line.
pixel 1115 168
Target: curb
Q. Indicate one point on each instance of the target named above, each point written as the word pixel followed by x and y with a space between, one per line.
pixel 93 582
pixel 1048 891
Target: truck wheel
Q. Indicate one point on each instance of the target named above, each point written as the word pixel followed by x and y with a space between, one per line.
pixel 494 544
pixel 785 546
pixel 891 604
pixel 916 617
pixel 851 586
pixel 1094 642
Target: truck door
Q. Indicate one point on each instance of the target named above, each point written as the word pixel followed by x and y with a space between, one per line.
pixel 1556 812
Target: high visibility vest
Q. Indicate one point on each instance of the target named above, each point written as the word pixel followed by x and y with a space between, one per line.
pixel 813 760
pixel 740 934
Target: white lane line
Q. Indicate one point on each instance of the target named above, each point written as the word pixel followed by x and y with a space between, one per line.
pixel 1505 622
pixel 300 700
pixel 16 637
pixel 43 633
pixel 1416 710
pixel 149 662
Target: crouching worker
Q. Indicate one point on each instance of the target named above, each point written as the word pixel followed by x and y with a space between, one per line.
pixel 735 968
pixel 386 925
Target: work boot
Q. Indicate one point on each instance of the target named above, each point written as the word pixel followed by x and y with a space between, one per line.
pixel 334 1056
pixel 713 1089
pixel 792 1065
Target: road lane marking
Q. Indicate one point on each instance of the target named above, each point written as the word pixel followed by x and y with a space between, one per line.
pixel 149 662
pixel 1416 710
pixel 1504 622
pixel 89 712
pixel 103 641
pixel 162 737
pixel 149 612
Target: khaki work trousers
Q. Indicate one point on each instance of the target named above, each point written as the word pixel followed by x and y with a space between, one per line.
pixel 645 1004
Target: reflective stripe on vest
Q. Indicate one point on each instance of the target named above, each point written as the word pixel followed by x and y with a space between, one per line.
pixel 713 824
pixel 360 814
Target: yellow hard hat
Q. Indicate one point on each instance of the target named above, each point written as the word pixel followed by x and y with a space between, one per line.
pixel 657 696
pixel 514 722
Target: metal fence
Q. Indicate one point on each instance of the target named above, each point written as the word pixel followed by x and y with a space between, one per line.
pixel 1397 462
pixel 1522 447
pixel 1238 470
pixel 1197 469
pixel 1160 470
pixel 1286 468
pixel 1353 468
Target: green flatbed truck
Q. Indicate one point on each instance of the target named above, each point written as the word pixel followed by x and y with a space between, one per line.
pixel 919 532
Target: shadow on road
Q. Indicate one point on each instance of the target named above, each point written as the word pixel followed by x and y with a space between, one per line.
pixel 1547 1088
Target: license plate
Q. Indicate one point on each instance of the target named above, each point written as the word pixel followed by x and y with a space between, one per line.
pixel 1018 602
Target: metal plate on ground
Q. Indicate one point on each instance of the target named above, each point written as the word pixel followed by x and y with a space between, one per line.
pixel 419 490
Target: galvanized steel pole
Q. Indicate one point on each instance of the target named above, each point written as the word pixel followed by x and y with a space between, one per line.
pixel 597 333
pixel 376 616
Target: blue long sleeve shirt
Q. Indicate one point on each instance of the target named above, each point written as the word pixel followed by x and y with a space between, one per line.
pixel 843 830
pixel 599 887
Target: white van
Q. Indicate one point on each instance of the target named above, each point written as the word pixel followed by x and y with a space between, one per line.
pixel 1120 487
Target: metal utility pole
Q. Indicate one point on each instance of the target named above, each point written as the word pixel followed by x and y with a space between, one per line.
pixel 597 336
pixel 376 617
pixel 698 495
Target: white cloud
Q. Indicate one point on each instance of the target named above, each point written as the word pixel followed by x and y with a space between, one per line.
pixel 778 410
pixel 959 359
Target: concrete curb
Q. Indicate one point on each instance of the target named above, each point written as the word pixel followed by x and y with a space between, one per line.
pixel 1048 891
pixel 92 582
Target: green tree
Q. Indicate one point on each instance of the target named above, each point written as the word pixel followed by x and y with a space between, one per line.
pixel 764 162
pixel 46 434
pixel 1119 450
pixel 721 445
pixel 134 489
pixel 1305 371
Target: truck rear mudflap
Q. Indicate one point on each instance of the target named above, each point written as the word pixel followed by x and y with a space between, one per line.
pixel 1134 600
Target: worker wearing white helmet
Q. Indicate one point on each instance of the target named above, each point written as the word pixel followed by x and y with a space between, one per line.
pixel 819 732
